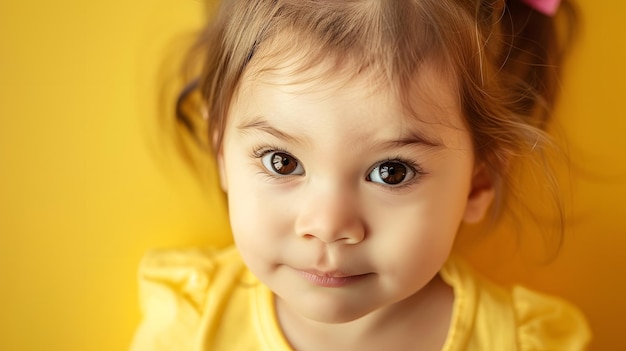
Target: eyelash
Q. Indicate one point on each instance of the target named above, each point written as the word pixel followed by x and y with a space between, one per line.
pixel 260 151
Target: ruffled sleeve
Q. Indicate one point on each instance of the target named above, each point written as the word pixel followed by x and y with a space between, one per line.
pixel 172 290
pixel 548 323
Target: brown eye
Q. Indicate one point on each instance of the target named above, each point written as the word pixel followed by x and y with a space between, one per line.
pixel 282 163
pixel 391 173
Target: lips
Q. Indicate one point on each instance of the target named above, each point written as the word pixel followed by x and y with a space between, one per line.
pixel 334 279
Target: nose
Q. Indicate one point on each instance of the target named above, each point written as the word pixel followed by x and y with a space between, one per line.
pixel 331 215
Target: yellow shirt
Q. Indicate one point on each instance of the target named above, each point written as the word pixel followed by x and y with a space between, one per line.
pixel 196 300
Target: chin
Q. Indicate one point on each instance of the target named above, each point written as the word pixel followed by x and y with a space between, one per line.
pixel 333 317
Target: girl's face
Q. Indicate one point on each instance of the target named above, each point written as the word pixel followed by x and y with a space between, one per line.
pixel 339 202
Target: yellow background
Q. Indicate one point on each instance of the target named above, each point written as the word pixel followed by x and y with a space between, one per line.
pixel 87 185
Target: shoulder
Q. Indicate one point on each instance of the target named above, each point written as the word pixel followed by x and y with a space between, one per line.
pixel 547 322
pixel 173 289
pixel 489 316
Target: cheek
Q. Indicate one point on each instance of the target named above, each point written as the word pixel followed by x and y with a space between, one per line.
pixel 253 213
pixel 409 248
pixel 420 231
pixel 418 235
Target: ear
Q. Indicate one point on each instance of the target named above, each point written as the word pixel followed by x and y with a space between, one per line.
pixel 481 195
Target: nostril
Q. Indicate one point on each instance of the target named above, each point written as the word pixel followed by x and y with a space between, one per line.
pixel 309 236
pixel 350 236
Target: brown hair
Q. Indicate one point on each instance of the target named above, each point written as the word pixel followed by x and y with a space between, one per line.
pixel 503 55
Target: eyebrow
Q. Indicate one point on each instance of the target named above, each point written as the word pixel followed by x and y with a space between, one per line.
pixel 259 123
pixel 412 138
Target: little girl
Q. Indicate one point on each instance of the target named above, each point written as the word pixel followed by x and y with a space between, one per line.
pixel 352 139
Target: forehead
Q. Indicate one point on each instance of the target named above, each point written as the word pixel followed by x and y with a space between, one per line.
pixel 429 98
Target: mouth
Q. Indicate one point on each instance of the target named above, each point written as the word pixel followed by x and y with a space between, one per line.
pixel 333 279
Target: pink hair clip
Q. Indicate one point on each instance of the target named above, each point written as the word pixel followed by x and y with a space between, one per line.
pixel 547 7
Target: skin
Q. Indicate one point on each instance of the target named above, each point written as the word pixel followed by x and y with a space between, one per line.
pixel 352 261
